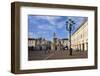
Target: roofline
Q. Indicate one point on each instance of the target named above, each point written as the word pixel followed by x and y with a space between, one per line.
pixel 80 26
pixel 31 39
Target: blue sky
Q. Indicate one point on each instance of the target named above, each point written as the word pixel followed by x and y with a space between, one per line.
pixel 45 26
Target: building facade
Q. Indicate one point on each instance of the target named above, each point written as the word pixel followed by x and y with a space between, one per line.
pixel 32 42
pixel 42 44
pixel 59 44
pixel 79 39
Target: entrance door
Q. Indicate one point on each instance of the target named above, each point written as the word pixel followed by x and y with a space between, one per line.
pixel 83 46
pixel 80 47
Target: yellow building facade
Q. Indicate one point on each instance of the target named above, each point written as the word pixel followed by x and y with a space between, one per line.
pixel 80 38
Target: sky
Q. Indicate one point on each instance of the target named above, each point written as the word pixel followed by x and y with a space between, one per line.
pixel 45 26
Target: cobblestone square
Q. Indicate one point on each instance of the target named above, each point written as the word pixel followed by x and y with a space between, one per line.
pixel 55 54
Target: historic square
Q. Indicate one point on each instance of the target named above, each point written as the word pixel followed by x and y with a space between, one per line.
pixel 61 45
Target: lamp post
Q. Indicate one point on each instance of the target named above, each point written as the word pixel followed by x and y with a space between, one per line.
pixel 69 25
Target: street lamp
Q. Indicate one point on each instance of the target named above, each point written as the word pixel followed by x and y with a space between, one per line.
pixel 69 26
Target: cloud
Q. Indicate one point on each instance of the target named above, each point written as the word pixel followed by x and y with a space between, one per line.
pixel 57 22
pixel 46 28
pixel 48 22
pixel 51 19
pixel 61 24
pixel 30 34
pixel 33 35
